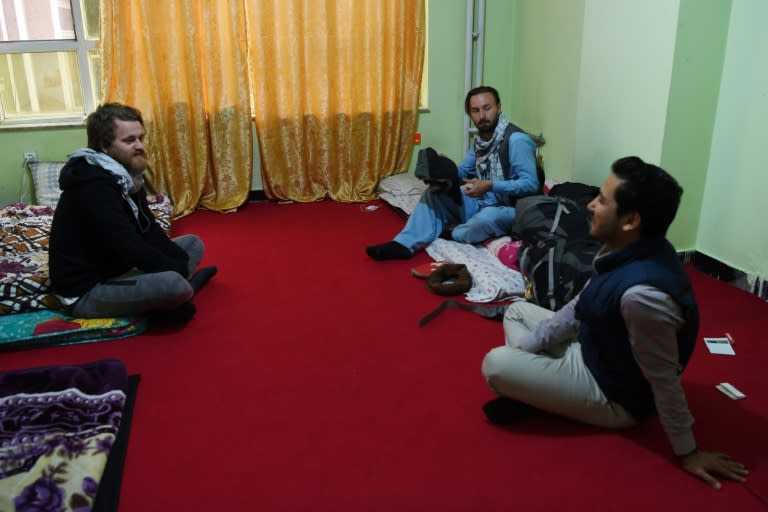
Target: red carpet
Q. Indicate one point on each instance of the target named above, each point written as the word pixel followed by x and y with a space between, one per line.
pixel 304 383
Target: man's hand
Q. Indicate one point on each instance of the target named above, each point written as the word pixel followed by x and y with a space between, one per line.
pixel 706 464
pixel 476 188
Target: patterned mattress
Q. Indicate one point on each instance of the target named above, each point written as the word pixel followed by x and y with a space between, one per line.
pixel 24 229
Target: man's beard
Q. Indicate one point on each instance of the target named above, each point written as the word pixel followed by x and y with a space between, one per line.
pixel 136 168
pixel 489 128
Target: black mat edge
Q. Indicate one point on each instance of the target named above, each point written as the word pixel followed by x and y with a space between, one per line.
pixel 108 495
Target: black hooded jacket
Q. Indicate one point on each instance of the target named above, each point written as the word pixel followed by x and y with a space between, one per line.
pixel 95 235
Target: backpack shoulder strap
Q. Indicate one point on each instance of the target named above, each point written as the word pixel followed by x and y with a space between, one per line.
pixel 504 150
pixel 492 312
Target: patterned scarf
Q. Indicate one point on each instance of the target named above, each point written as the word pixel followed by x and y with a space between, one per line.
pixel 128 184
pixel 487 162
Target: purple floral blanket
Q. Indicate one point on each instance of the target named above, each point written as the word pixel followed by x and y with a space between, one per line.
pixel 58 427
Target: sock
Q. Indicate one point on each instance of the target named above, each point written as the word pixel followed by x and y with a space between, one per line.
pixel 178 315
pixel 447 233
pixel 201 277
pixel 388 251
pixel 505 411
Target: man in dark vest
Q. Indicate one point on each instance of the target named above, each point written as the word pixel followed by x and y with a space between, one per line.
pixel 472 202
pixel 614 354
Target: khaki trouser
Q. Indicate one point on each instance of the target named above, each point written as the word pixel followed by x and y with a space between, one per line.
pixel 560 383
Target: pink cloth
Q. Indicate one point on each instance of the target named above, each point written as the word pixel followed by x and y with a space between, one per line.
pixel 508 254
pixel 506 250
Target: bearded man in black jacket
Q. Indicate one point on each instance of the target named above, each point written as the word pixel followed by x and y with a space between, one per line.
pixel 108 256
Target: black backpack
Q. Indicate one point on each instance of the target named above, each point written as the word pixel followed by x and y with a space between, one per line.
pixel 581 193
pixel 557 251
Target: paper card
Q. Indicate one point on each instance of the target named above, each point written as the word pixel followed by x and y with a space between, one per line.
pixel 730 391
pixel 719 346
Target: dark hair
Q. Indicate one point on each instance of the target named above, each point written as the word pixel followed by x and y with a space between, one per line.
pixel 648 190
pixel 100 124
pixel 481 90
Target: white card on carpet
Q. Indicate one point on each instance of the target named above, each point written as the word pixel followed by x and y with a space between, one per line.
pixel 730 391
pixel 719 346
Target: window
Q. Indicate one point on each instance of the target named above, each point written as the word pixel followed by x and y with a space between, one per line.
pixel 49 61
pixel 424 92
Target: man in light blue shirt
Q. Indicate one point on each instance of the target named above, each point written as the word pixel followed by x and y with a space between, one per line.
pixel 474 201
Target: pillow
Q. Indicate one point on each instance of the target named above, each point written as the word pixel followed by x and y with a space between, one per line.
pixel 45 178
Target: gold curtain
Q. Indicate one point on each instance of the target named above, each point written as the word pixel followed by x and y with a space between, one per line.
pixel 183 63
pixel 336 90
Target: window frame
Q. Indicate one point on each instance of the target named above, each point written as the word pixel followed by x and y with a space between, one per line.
pixel 81 46
pixel 424 89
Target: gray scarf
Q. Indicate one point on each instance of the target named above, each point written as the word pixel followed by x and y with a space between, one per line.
pixel 487 160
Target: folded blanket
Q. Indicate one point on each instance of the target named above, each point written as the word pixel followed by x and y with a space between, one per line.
pixel 44 328
pixel 59 425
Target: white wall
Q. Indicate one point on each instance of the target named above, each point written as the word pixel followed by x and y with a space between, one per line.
pixel 732 225
pixel 626 69
pixel 546 53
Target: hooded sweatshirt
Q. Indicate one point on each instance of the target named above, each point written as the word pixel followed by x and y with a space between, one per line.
pixel 96 235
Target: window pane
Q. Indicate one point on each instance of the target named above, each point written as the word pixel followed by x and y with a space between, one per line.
pixel 94 61
pixel 91 17
pixel 36 20
pixel 40 84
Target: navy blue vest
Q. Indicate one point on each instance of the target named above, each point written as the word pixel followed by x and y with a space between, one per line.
pixel 603 335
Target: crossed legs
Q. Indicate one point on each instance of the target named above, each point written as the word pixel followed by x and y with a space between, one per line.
pixel 136 293
pixel 560 385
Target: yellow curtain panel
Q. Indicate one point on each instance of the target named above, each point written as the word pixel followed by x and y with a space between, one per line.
pixel 335 91
pixel 333 84
pixel 184 65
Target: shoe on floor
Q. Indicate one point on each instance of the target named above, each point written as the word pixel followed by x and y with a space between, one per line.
pixel 388 251
pixel 505 411
pixel 423 271
pixel 178 315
